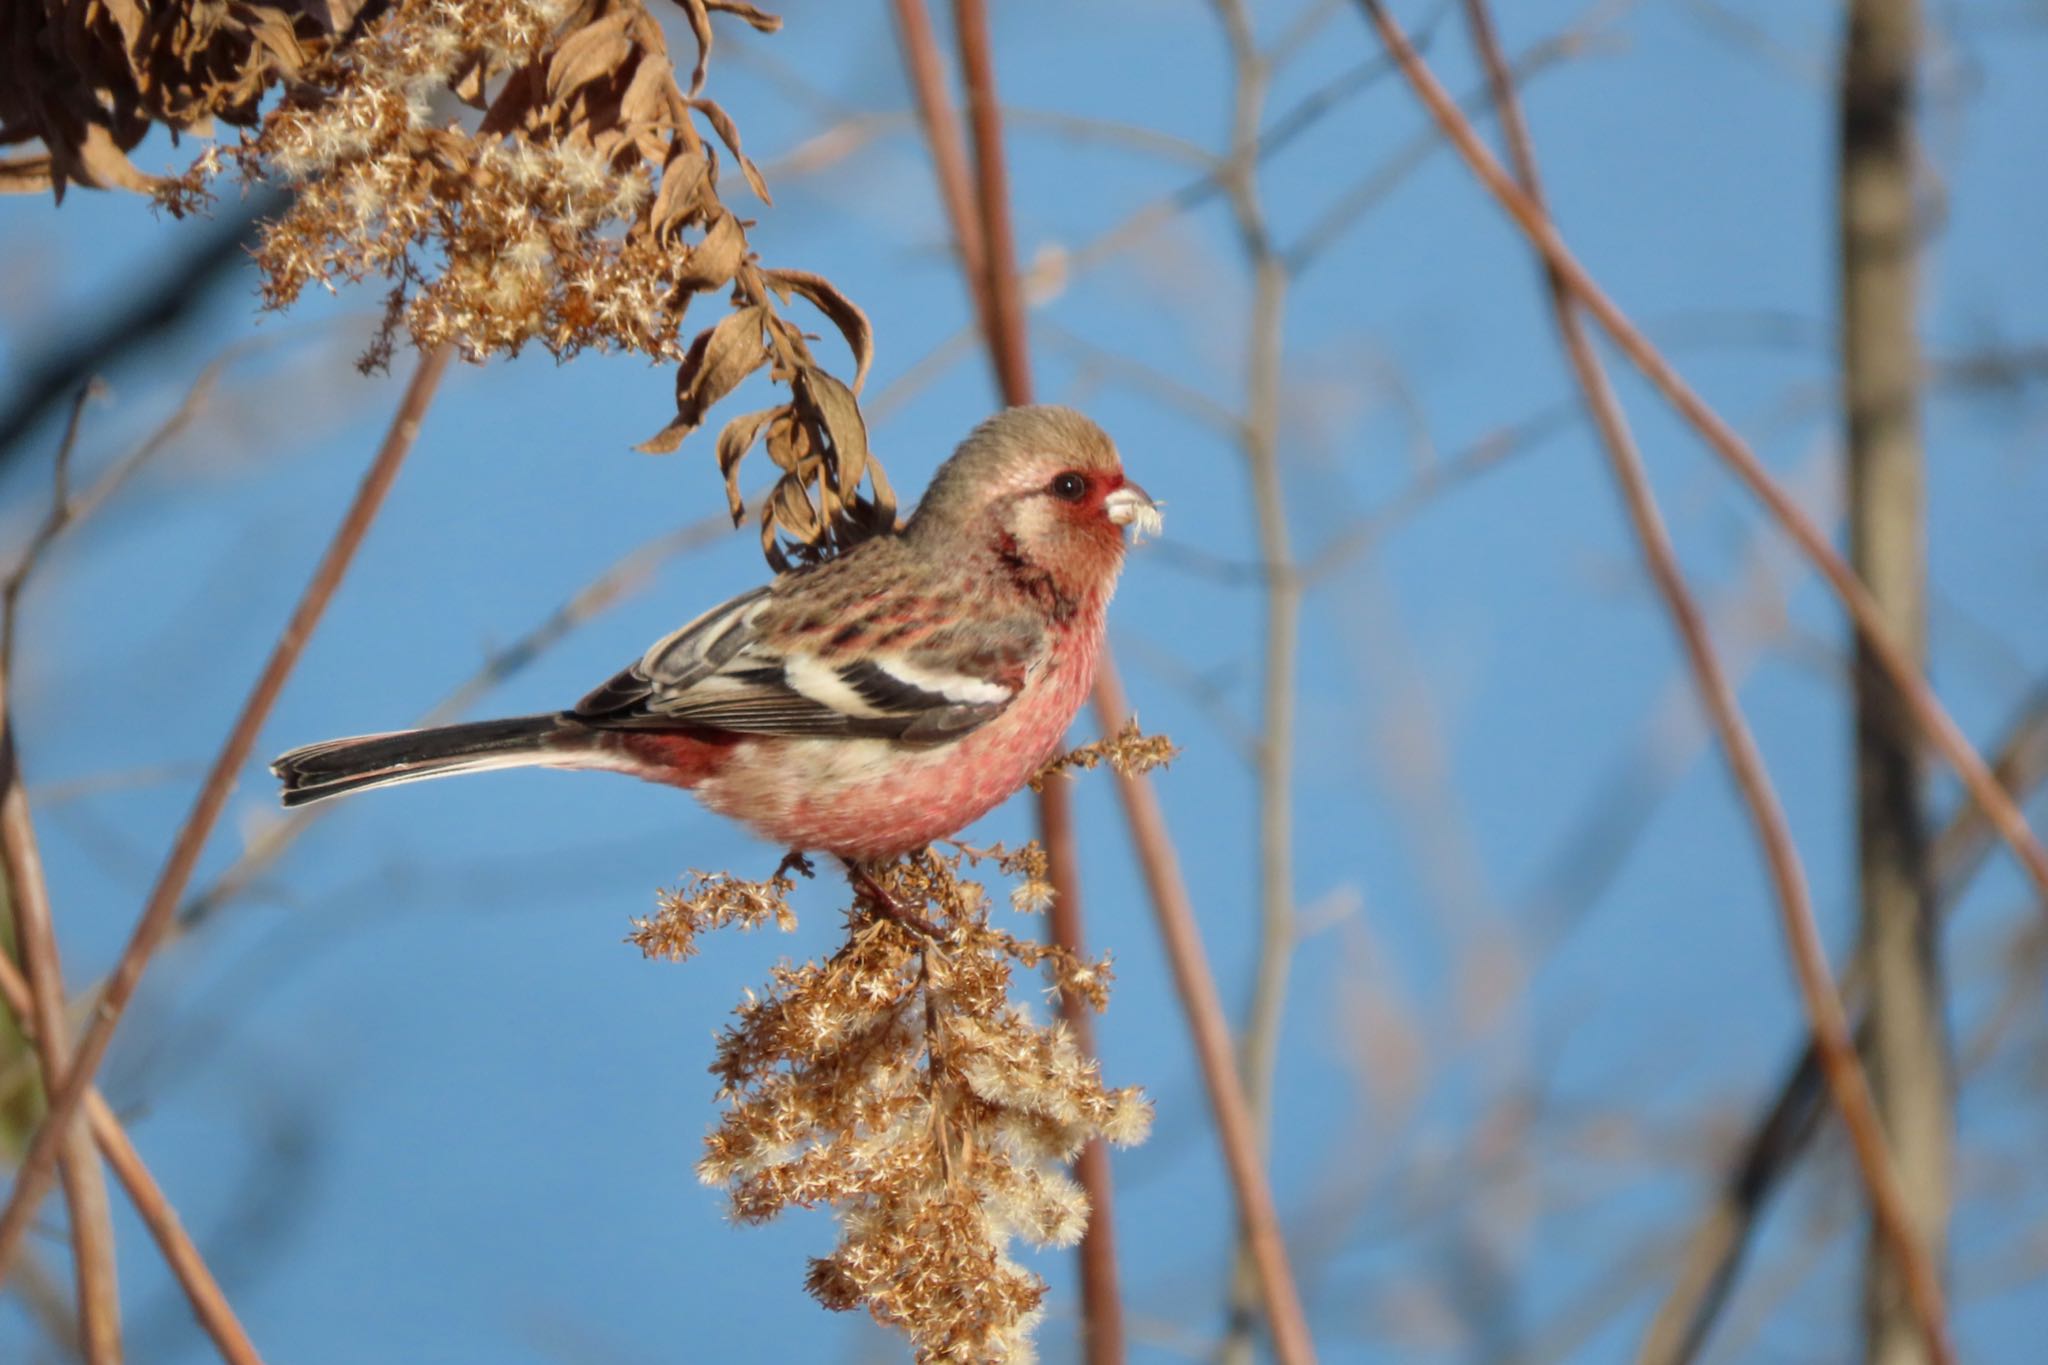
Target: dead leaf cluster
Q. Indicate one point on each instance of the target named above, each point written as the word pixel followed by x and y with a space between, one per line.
pixel 516 171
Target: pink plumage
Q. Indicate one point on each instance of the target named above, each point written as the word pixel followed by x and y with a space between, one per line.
pixel 865 706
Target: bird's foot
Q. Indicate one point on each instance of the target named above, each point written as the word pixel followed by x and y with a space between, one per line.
pixel 880 898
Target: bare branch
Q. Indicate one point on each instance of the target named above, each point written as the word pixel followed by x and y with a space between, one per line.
pixel 209 1304
pixel 28 899
pixel 1787 1124
pixel 1837 1052
pixel 38 1165
pixel 1929 714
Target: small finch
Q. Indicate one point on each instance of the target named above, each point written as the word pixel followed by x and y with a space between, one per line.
pixel 861 707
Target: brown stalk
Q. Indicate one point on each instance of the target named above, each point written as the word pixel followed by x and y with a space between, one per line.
pixel 1928 713
pixel 1787 1124
pixel 1210 1034
pixel 1102 1308
pixel 38 1167
pixel 942 135
pixel 1162 868
pixel 986 241
pixel 35 937
pixel 209 1304
pixel 1259 437
pixel 1809 956
pixel 1002 302
pixel 1829 1020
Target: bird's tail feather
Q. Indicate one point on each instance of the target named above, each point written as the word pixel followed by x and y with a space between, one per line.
pixel 338 766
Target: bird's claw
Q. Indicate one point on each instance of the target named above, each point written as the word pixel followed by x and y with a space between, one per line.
pixel 880 898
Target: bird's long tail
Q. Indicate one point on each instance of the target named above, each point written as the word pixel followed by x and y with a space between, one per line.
pixel 339 766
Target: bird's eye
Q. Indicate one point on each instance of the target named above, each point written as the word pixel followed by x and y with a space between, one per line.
pixel 1069 487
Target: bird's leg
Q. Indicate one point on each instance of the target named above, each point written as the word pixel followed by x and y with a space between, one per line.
pixel 864 881
pixel 795 861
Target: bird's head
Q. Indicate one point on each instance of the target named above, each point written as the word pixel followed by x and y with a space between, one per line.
pixel 1040 484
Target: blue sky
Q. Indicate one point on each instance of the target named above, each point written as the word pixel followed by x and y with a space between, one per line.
pixel 418 1101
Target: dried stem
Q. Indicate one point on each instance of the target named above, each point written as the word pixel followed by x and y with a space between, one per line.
pixel 1002 302
pixel 40 1006
pixel 942 134
pixel 1210 1033
pixel 38 1166
pixel 627 575
pixel 1259 436
pixel 1102 1309
pixel 209 1304
pixel 1787 1124
pixel 1928 713
pixel 28 899
pixel 1003 312
pixel 1829 1020
pixel 988 254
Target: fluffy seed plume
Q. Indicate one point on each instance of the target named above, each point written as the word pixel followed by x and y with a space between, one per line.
pixel 898 1083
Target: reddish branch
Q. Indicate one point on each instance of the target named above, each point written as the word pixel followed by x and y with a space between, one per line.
pixel 209 1304
pixel 1928 713
pixel 942 135
pixel 1835 1047
pixel 32 1180
pixel 1102 1309
pixel 988 255
pixel 1211 1036
pixel 35 940
pixel 1784 1130
pixel 1000 309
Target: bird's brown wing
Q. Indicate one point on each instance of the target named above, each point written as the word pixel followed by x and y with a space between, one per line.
pixel 753 666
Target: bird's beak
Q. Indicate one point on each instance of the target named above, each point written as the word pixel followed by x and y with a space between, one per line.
pixel 1132 506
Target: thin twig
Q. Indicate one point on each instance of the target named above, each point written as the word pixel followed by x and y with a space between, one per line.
pixel 626 576
pixel 1210 1033
pixel 1000 309
pixel 927 72
pixel 1829 1020
pixel 1002 302
pixel 28 898
pixel 1102 1309
pixel 38 1166
pixel 1169 894
pixel 164 297
pixel 209 1303
pixel 1932 718
pixel 1786 1125
pixel 1259 1046
pixel 1379 183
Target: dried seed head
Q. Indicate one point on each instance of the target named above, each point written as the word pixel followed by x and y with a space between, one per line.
pixel 898 1083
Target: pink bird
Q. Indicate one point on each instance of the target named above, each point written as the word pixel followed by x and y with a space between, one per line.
pixel 862 707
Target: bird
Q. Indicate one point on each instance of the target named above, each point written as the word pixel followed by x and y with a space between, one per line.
pixel 863 706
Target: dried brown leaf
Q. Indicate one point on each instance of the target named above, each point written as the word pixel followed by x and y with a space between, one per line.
pixel 729 134
pixel 836 411
pixel 700 27
pixel 733 444
pixel 760 19
pixel 588 54
pixel 716 362
pixel 844 312
pixel 713 261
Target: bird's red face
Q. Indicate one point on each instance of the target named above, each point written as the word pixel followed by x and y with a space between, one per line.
pixel 1043 490
pixel 1068 517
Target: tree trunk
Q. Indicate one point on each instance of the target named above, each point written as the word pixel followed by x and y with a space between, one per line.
pixel 1880 393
